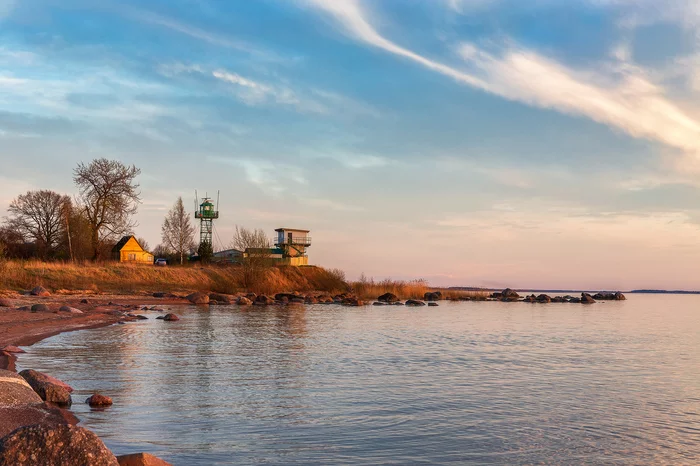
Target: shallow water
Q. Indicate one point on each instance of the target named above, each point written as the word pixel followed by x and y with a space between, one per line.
pixel 477 383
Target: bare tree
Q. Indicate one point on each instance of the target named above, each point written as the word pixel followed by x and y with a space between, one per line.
pixel 143 243
pixel 178 232
pixel 256 255
pixel 109 197
pixel 40 217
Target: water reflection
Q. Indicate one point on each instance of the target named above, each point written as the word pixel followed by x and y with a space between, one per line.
pixel 487 383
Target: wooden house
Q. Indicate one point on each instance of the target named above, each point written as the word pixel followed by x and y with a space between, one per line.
pixel 129 250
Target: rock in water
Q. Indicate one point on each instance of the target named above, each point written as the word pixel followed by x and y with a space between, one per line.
pixel 54 445
pixel 587 299
pixel 141 459
pixel 219 298
pixel 263 300
pixel 48 388
pixel 388 298
pixel 98 399
pixel 198 298
pixel 12 349
pixel 414 302
pixel 171 318
pixel 70 310
pixel 243 301
pixel 433 304
pixel 432 296
pixel 509 294
pixel 39 291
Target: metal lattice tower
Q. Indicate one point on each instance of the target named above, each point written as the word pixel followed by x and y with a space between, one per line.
pixel 206 214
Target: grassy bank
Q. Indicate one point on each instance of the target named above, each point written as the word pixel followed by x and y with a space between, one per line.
pixel 127 278
pixel 369 289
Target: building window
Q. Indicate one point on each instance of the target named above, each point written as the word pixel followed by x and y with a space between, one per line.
pixel 132 257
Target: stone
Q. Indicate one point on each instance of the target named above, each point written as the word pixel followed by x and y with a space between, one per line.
pixel 311 300
pixel 587 299
pixel 40 308
pixel 141 459
pixel 22 415
pixel 543 298
pixel 48 388
pixel 161 294
pixel 4 302
pixel 243 301
pixel 84 301
pixel 297 300
pixel 219 298
pixel 433 304
pixel 39 291
pixel 198 298
pixel 99 400
pixel 13 349
pixel 432 296
pixel 414 302
pixel 170 318
pixel 159 317
pixel 388 298
pixel 352 301
pixel 380 303
pixel 14 390
pixel 620 297
pixel 54 445
pixel 509 294
pixel 70 310
pixel 263 300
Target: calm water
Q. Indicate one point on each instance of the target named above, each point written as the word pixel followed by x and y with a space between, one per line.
pixel 477 383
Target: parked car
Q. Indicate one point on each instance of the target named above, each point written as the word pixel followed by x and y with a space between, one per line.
pixel 161 262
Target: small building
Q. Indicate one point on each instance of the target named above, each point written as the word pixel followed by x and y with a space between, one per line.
pixel 229 255
pixel 129 250
pixel 293 243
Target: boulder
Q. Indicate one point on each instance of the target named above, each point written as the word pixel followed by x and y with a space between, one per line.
pixel 530 299
pixel 12 349
pixel 54 445
pixel 388 298
pixel 70 310
pixel 84 301
pixel 159 317
pixel 98 400
pixel 141 459
pixel 311 300
pixel 263 300
pixel 298 300
pixel 161 294
pixel 352 301
pixel 432 296
pixel 433 304
pixel 219 298
pixel 4 302
pixel 587 299
pixel 414 302
pixel 14 390
pixel 509 294
pixel 380 303
pixel 170 317
pixel 48 388
pixel 198 298
pixel 40 308
pixel 243 301
pixel 13 417
pixel 39 291
pixel 543 298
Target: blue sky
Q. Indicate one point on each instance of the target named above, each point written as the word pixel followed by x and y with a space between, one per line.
pixel 479 142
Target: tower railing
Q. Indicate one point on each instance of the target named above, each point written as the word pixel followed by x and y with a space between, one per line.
pixel 296 240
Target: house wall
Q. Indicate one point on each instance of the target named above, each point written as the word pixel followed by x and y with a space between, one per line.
pixel 132 252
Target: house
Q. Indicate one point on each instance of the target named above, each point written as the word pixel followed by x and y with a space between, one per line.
pixel 229 255
pixel 293 243
pixel 129 250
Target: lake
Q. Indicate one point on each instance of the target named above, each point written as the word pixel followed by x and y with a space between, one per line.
pixel 463 383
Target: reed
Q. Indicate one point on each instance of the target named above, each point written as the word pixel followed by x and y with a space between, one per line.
pixel 369 289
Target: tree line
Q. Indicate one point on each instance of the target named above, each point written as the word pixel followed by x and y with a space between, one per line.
pixel 48 225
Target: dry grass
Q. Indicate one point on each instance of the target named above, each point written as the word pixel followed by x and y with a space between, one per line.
pixel 369 289
pixel 129 278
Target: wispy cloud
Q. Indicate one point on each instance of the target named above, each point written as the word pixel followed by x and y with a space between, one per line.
pixel 624 98
pixel 6 7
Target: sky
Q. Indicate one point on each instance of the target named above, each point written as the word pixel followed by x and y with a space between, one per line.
pixel 523 143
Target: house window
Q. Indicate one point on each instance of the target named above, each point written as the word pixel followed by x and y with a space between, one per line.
pixel 132 257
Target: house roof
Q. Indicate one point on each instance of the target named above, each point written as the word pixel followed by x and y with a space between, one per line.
pixel 292 229
pixel 122 242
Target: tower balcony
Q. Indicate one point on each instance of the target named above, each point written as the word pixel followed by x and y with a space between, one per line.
pixel 213 214
pixel 293 241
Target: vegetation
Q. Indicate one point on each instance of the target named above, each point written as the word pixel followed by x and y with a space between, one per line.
pixel 368 289
pixel 257 254
pixel 177 232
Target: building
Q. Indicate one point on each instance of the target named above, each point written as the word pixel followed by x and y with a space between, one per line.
pixel 129 250
pixel 293 243
pixel 229 255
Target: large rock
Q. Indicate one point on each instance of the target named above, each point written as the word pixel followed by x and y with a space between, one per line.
pixel 13 349
pixel 352 301
pixel 141 459
pixel 432 296
pixel 39 291
pixel 587 299
pixel 48 388
pixel 40 308
pixel 4 302
pixel 219 298
pixel 14 390
pixel 14 417
pixel 388 298
pixel 198 298
pixel 509 294
pixel 70 310
pixel 171 318
pixel 54 445
pixel 243 301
